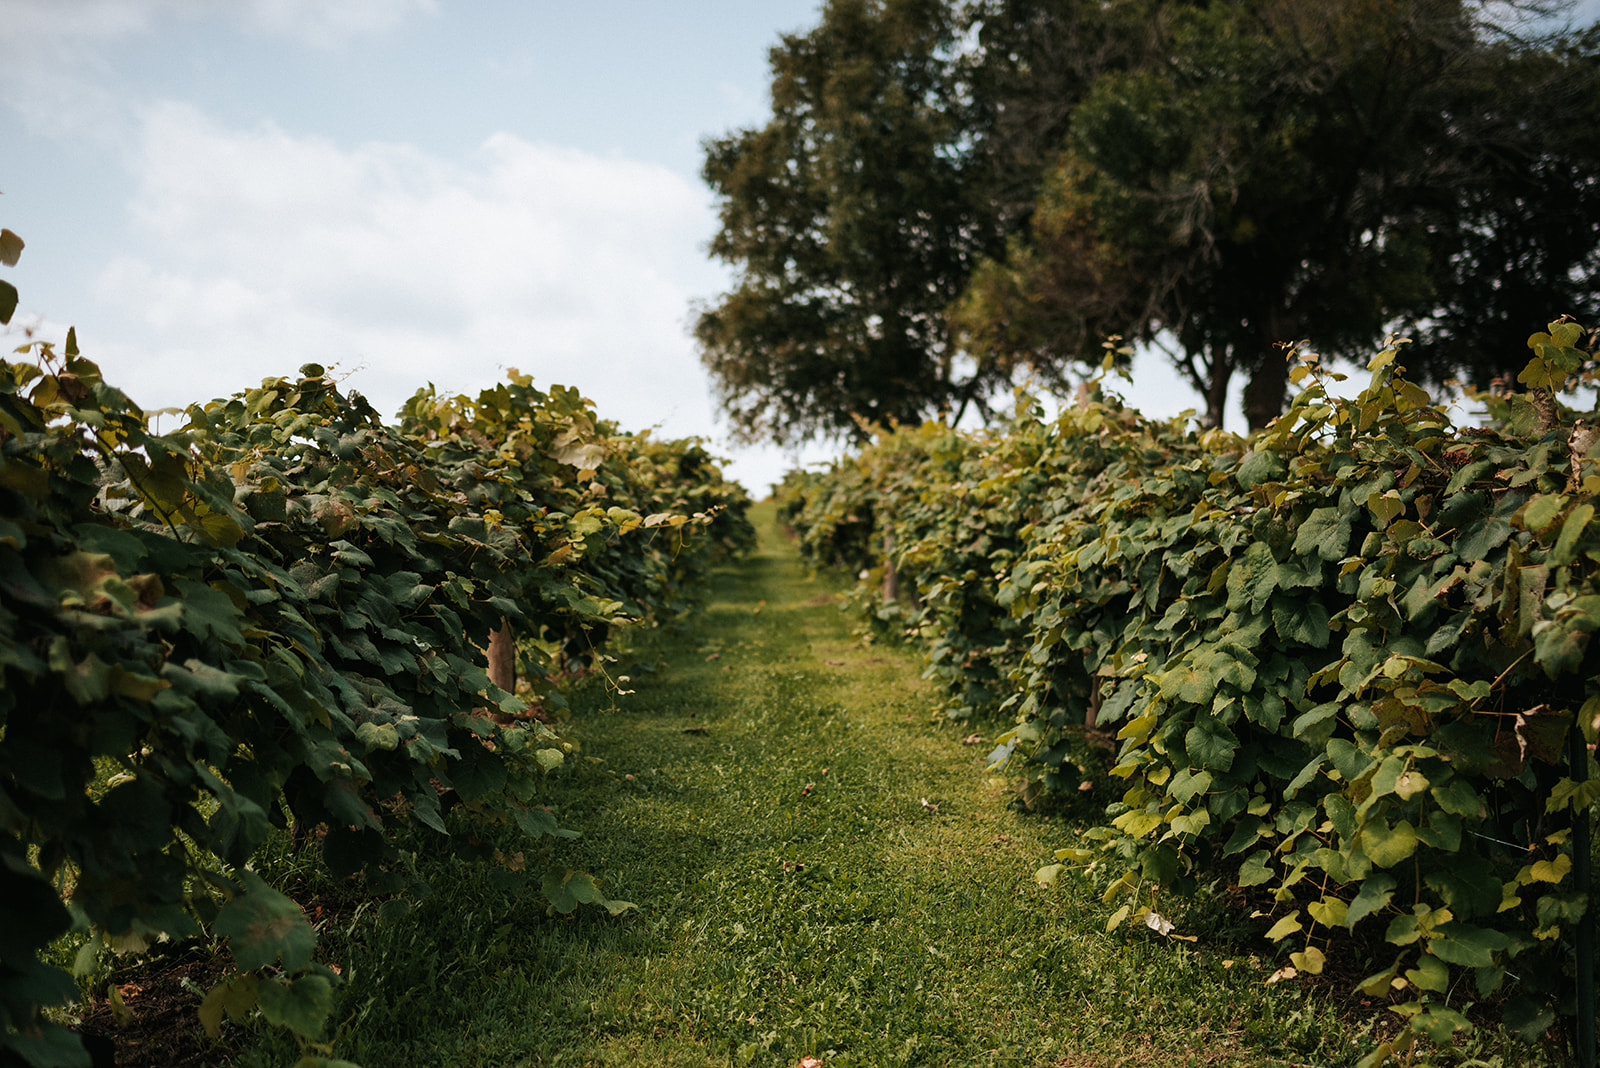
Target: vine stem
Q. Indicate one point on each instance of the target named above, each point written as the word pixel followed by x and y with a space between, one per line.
pixel 1498 679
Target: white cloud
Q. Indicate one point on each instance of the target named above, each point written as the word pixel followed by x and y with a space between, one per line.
pixel 264 250
pixel 329 23
pixel 56 75
pixel 322 23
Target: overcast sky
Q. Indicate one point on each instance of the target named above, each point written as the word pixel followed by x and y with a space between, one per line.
pixel 408 191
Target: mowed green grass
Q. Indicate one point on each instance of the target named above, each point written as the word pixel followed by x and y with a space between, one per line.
pixel 821 868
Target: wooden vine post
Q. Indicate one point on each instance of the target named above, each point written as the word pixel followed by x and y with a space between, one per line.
pixel 891 577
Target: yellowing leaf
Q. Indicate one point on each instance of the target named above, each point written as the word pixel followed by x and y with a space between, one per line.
pixel 1138 728
pixel 1538 375
pixel 1285 927
pixel 1137 824
pixel 1567 334
pixel 1309 961
pixel 1330 911
pixel 1550 871
pixel 1409 784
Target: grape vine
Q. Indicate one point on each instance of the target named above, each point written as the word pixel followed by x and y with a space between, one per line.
pixel 1347 661
pixel 275 615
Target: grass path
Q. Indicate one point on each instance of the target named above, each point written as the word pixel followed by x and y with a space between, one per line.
pixel 822 868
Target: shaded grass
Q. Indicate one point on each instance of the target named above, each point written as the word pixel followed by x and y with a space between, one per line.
pixel 821 868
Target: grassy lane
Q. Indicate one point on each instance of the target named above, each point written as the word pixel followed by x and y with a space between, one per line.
pixel 821 868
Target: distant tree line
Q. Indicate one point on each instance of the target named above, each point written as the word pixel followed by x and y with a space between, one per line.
pixel 949 194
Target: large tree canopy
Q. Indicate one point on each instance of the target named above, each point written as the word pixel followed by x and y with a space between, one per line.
pixel 1322 170
pixel 946 195
pixel 848 218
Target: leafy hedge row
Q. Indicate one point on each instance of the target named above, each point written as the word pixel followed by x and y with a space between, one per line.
pixel 1348 660
pixel 276 614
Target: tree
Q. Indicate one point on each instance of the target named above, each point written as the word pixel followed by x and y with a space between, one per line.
pixel 849 220
pixel 1526 244
pixel 1280 170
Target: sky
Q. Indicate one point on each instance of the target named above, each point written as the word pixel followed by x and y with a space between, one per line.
pixel 406 191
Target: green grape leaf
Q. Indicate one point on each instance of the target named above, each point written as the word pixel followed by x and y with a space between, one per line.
pixel 263 927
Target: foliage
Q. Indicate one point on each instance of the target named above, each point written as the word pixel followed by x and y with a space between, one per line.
pixel 949 195
pixel 10 251
pixel 848 218
pixel 1266 173
pixel 1347 660
pixel 274 615
pixel 796 912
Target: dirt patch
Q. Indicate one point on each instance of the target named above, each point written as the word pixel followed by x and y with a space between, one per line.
pixel 159 1023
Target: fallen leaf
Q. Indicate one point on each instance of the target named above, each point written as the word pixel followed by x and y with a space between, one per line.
pixel 810 1062
pixel 834 663
pixel 713 656
pixel 1285 972
pixel 807 791
pixel 972 739
pixel 1157 922
pixel 929 805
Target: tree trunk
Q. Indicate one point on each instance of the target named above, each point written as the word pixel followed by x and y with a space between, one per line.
pixel 1266 391
pixel 502 656
pixel 1221 373
pixel 1268 388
